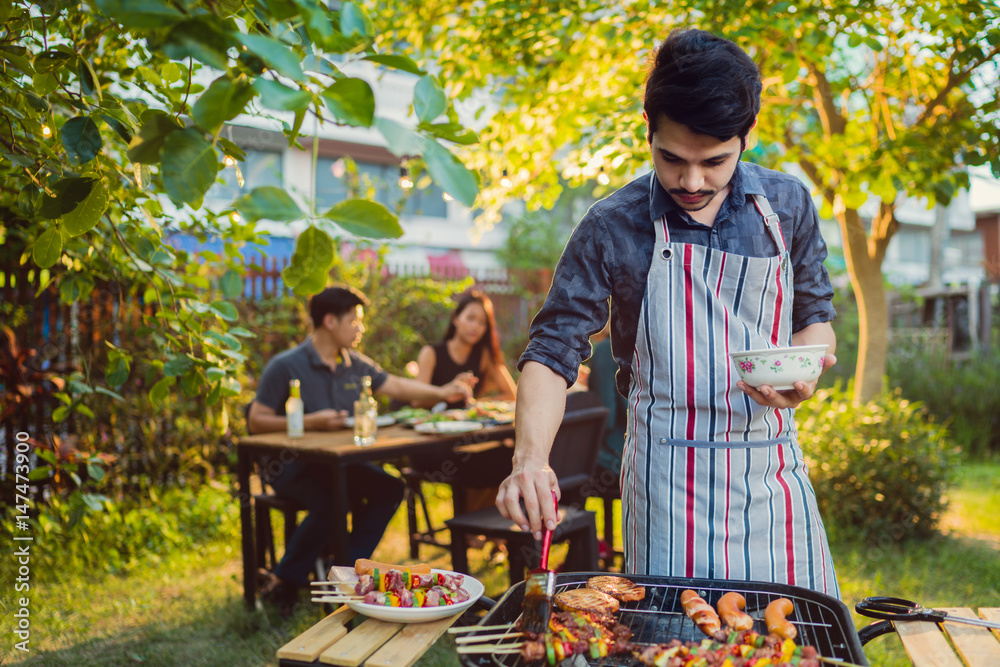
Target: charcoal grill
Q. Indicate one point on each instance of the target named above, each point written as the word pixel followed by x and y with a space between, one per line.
pixel 822 620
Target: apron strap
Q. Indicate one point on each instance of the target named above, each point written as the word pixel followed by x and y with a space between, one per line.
pixel 770 221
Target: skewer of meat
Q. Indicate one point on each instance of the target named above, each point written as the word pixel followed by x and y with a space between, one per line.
pixel 700 612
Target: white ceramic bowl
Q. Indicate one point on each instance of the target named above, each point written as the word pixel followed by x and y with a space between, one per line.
pixel 779 367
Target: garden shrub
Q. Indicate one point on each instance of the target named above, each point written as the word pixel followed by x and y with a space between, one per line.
pixel 961 393
pixel 72 537
pixel 880 470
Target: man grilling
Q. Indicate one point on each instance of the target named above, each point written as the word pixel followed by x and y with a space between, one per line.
pixel 694 264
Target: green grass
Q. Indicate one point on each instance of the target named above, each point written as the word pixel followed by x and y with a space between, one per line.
pixel 187 608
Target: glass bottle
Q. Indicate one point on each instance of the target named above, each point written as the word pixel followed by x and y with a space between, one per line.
pixel 365 415
pixel 294 410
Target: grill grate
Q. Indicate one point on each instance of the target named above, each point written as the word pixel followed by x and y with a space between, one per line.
pixel 822 621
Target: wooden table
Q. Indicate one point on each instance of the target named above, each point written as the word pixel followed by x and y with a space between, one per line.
pixel 336 449
pixel 971 646
pixel 373 643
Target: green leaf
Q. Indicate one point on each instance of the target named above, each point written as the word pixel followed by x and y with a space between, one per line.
pixel 108 392
pixel 44 83
pixel 275 54
pixel 404 63
pixel 225 310
pixel 351 101
pixel 353 20
pixel 158 394
pixel 224 100
pixel 81 138
pixel 189 165
pixel 231 284
pixel 117 371
pixel 243 333
pixel 51 61
pixel 274 95
pixel 87 213
pixel 270 203
pixel 119 127
pixel 47 248
pixel 139 13
pixel 177 365
pixel 448 172
pixel 453 132
pixel 401 140
pixel 366 218
pixel 310 266
pixel 429 100
pixel 214 374
pixel 200 39
pixel 146 147
pixel 224 340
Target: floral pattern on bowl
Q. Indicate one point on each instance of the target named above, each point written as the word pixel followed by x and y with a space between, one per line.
pixel 780 367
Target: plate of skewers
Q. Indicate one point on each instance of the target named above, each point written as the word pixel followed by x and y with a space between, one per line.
pixel 399 593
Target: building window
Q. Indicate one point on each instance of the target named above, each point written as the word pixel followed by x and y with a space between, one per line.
pixel 259 169
pixel 913 245
pixel 338 179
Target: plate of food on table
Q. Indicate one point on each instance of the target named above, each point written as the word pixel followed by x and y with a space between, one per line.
pixel 414 593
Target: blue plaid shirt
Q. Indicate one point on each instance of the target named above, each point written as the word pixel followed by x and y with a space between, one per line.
pixel 609 254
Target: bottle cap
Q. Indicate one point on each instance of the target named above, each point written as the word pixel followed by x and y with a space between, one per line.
pixel 293 388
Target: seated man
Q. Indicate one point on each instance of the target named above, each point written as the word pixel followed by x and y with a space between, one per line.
pixel 329 371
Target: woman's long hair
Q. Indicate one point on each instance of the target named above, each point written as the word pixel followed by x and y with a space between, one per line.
pixel 489 344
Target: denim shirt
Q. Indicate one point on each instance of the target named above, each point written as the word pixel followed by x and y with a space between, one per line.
pixel 606 260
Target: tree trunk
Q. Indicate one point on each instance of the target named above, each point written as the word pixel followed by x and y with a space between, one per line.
pixel 873 312
pixel 939 239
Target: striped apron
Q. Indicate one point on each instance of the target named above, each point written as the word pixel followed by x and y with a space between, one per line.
pixel 713 484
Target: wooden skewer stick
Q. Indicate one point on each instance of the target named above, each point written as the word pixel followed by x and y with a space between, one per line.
pixel 486 638
pixel 836 661
pixel 495 649
pixel 477 628
pixel 334 598
pixel 329 583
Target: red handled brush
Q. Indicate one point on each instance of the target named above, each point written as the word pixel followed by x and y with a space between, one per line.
pixel 539 587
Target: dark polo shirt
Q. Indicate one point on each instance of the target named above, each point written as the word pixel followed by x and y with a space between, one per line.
pixel 321 388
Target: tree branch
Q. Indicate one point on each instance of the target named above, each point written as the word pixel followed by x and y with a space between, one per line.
pixel 955 80
pixel 833 122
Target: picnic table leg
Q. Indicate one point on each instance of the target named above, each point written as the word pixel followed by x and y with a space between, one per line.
pixel 245 498
pixel 341 506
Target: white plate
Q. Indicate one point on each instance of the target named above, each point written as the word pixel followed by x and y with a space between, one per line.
pixel 381 420
pixel 447 427
pixel 471 585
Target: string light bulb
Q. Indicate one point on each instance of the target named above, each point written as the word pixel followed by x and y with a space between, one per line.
pixel 235 217
pixel 505 180
pixel 405 181
pixel 447 197
pixel 229 162
pixel 603 178
pixel 46 131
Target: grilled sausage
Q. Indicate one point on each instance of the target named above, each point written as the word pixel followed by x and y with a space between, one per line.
pixel 774 617
pixel 365 566
pixel 700 612
pixel 731 606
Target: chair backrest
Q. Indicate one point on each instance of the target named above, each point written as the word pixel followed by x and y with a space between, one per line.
pixel 574 450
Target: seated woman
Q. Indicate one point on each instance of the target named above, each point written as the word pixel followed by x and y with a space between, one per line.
pixel 471 346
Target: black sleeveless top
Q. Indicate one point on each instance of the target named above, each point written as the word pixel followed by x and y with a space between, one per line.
pixel 445 369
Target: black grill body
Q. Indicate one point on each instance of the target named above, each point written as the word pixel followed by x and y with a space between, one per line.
pixel 821 620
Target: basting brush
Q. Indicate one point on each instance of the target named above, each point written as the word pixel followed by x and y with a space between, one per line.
pixel 539 588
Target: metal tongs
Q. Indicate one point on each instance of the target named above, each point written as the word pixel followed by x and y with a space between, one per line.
pixel 898 609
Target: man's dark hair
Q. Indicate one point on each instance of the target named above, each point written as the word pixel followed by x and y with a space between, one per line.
pixel 334 301
pixel 704 82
